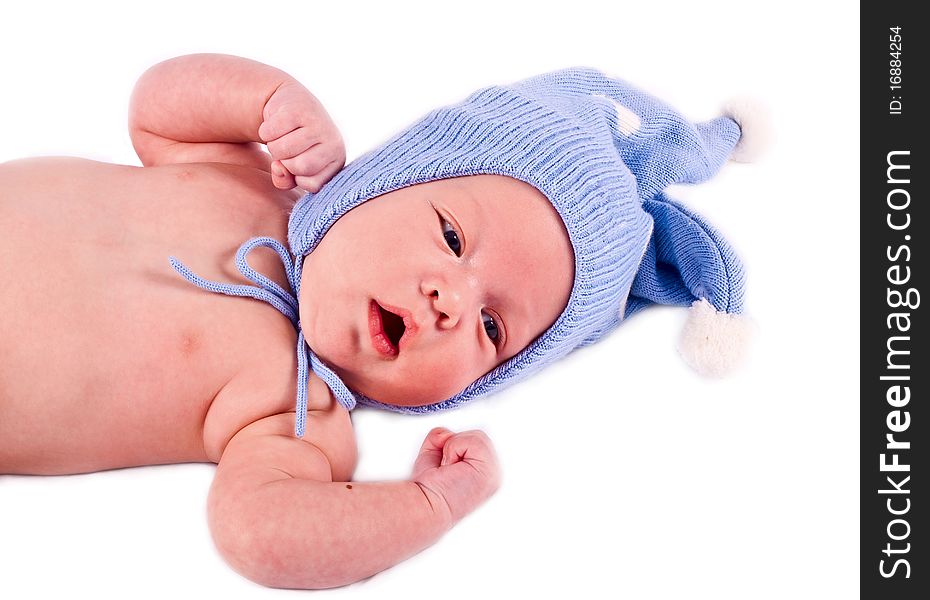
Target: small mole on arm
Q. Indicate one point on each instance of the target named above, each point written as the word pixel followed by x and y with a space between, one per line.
pixel 348 487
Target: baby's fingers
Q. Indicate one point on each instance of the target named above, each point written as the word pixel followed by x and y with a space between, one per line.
pixel 292 143
pixel 315 183
pixel 276 127
pixel 473 445
pixel 281 177
pixel 431 451
pixel 315 160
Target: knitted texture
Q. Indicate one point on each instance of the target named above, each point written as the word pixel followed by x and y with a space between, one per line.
pixel 602 152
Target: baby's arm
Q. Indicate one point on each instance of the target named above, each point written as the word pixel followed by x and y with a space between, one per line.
pixel 282 513
pixel 220 108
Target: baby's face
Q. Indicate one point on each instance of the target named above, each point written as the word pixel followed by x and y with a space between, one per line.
pixel 417 293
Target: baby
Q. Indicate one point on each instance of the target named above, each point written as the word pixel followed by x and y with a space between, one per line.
pixel 483 242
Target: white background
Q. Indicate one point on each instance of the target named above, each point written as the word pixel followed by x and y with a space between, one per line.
pixel 625 474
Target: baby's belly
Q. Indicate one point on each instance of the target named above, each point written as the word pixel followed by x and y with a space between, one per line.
pixel 108 358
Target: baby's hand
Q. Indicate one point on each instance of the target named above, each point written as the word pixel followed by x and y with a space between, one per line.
pixel 460 468
pixel 303 141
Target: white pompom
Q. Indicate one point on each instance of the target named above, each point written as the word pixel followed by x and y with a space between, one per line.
pixel 713 342
pixel 755 125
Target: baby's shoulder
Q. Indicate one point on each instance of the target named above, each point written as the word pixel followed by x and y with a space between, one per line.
pixel 268 388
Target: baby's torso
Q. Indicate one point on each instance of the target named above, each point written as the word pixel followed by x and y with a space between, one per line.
pixel 108 358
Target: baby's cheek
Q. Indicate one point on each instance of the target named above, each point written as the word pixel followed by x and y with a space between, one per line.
pixel 445 377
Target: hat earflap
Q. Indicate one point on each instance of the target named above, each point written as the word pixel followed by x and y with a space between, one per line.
pixel 688 263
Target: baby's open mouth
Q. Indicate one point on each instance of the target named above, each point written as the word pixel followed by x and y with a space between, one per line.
pixel 386 328
pixel 393 325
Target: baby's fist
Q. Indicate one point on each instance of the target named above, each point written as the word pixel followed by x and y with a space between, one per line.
pixel 303 141
pixel 460 468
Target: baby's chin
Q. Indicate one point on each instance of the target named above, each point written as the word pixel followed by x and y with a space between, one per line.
pixel 401 387
pixel 402 395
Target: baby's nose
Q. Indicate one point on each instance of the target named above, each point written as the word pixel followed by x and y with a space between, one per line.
pixel 451 301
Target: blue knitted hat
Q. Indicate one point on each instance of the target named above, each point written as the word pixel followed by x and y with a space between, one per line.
pixel 603 153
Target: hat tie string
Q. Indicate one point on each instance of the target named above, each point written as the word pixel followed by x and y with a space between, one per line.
pixel 285 302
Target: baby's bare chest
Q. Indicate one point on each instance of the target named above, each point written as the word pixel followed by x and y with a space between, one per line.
pixel 107 356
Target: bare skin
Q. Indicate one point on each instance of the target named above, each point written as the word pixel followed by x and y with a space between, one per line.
pixel 109 359
pixel 109 344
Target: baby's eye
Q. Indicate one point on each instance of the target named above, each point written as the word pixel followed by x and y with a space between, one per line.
pixel 452 237
pixel 490 327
